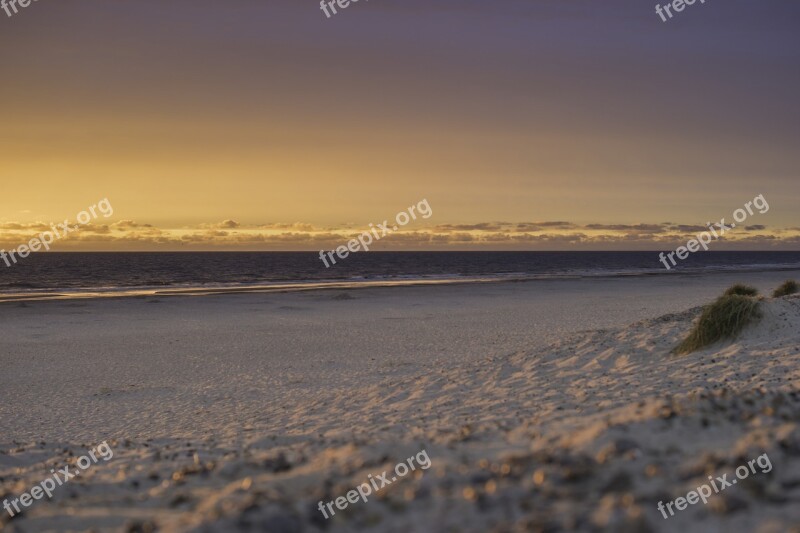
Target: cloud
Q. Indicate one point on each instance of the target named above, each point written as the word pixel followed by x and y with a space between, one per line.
pixel 20 226
pixel 556 224
pixel 128 224
pixel 539 226
pixel 687 228
pixel 646 228
pixel 96 229
pixel 298 226
pixel 483 226
pixel 548 235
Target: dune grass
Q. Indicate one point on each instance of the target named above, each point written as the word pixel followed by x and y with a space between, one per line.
pixel 788 287
pixel 725 318
pixel 741 290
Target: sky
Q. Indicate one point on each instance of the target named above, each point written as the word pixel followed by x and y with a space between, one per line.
pixel 526 125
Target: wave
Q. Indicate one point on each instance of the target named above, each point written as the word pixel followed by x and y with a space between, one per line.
pixel 26 291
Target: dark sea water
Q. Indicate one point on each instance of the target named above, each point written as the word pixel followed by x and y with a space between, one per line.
pixel 78 272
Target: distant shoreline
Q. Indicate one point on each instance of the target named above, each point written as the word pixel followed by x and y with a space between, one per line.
pixel 312 285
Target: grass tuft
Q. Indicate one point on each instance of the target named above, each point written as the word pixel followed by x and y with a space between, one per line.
pixel 788 287
pixel 723 319
pixel 741 290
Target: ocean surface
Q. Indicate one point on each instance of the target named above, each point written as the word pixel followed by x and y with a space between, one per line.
pixel 81 273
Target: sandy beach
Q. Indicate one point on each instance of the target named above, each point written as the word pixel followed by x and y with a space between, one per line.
pixel 543 406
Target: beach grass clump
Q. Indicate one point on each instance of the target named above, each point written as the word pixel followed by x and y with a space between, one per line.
pixel 788 287
pixel 725 318
pixel 741 290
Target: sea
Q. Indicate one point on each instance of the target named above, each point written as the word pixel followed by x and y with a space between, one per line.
pixel 65 274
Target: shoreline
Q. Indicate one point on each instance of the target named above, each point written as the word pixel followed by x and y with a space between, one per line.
pixel 325 285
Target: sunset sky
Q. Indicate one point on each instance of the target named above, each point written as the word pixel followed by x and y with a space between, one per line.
pixel 263 125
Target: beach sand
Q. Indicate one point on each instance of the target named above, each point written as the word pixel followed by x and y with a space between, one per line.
pixel 543 406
